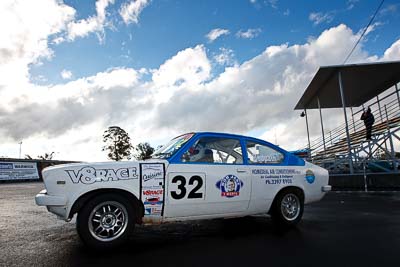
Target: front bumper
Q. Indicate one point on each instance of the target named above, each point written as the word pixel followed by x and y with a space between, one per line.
pixel 54 204
pixel 43 199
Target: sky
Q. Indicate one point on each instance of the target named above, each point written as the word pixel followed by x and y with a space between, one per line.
pixel 160 68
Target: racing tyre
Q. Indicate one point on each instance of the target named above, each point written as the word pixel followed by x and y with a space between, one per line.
pixel 287 208
pixel 105 221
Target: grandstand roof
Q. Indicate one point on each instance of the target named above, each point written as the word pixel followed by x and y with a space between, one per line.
pixel 361 82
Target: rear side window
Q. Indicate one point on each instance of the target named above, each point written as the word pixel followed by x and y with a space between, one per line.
pixel 262 154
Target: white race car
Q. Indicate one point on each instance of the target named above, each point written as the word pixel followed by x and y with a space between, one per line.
pixel 194 176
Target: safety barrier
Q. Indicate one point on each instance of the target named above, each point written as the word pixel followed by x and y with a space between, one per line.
pixel 22 170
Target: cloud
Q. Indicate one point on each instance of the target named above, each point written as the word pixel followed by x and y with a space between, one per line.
pixel 371 27
pixel 190 67
pixel 95 24
pixel 390 9
pixel 73 104
pixel 319 17
pixel 130 11
pixel 261 92
pixel 66 74
pixel 287 12
pixel 25 27
pixel 225 57
pixel 351 4
pixel 273 3
pixel 256 4
pixel 216 33
pixel 393 52
pixel 39 78
pixel 249 34
pixel 257 95
pixel 58 40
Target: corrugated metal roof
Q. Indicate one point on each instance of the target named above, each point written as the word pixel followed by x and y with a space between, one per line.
pixel 361 82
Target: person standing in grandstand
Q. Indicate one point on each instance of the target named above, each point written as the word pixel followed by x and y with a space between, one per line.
pixel 369 120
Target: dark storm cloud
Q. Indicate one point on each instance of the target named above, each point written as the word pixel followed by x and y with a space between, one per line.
pixel 56 119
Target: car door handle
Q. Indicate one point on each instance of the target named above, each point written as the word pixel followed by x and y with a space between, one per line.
pixel 241 170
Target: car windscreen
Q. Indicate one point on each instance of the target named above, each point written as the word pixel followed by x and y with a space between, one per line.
pixel 169 149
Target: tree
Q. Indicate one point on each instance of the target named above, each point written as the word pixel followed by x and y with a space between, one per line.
pixel 143 151
pixel 46 156
pixel 117 143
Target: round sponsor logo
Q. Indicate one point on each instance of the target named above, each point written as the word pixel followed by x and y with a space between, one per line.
pixel 229 186
pixel 310 177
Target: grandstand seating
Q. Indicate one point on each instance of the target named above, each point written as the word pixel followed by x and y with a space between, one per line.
pixel 334 153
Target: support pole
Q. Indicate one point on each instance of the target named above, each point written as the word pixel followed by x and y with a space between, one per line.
pixel 347 125
pixel 20 148
pixel 322 124
pixel 379 106
pixel 365 178
pixel 308 132
pixel 397 93
pixel 354 123
pixel 380 114
pixel 392 153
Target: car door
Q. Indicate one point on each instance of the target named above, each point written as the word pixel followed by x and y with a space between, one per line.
pixel 208 178
pixel 269 173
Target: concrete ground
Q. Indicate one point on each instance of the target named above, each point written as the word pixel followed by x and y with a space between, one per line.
pixel 344 229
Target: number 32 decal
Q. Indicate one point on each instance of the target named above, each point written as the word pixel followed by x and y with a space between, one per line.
pixel 181 183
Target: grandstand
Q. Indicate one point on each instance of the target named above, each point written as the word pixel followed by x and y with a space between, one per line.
pixel 345 150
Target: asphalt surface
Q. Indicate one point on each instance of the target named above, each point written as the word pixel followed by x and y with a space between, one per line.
pixel 344 229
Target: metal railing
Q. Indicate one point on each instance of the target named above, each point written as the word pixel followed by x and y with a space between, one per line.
pixel 337 135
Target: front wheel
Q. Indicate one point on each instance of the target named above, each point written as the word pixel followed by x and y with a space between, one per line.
pixel 288 207
pixel 105 221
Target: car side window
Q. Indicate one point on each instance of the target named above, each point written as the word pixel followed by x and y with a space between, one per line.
pixel 214 150
pixel 262 154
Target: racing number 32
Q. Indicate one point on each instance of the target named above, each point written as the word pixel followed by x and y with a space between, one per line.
pixel 182 187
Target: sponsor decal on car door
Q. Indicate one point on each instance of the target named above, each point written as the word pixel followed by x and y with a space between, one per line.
pixel 152 188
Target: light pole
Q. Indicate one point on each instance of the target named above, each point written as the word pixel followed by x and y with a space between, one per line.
pixel 20 147
pixel 304 114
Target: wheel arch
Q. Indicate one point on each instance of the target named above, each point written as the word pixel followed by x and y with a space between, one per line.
pixel 80 202
pixel 297 188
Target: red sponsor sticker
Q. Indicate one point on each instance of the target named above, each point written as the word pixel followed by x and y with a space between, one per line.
pixel 153 199
pixel 229 194
pixel 153 192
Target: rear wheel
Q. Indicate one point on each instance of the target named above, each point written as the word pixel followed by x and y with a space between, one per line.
pixel 288 207
pixel 105 221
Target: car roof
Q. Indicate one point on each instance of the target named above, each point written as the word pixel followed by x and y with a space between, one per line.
pixel 229 135
pixel 225 135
